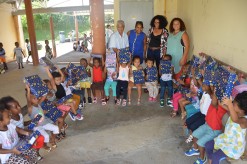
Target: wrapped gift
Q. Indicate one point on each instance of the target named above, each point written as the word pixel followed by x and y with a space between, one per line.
pixel 194 61
pixel 152 74
pixel 70 67
pixel 51 111
pixel 34 122
pixel 225 82
pixel 183 90
pixel 124 55
pixel 28 141
pixel 96 55
pixel 49 63
pixel 138 77
pixel 111 72
pixel 165 67
pixel 110 60
pixel 81 72
pixel 37 87
pixel 65 98
pixel 198 75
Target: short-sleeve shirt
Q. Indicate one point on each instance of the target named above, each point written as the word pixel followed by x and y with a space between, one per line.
pixel 2 52
pixel 18 51
pixel 205 103
pixel 28 46
pixel 19 123
pixel 118 41
pixel 8 140
pixel 38 110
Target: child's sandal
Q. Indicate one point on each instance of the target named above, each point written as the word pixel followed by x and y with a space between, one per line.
pixel 189 139
pixel 107 99
pixel 54 145
pixel 103 102
pixel 94 100
pixel 129 102
pixel 173 114
pixel 139 102
pixel 118 102
pixel 124 102
pixel 47 148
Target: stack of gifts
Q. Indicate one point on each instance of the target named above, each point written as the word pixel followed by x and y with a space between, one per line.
pixel 138 77
pixel 152 74
pixel 37 87
pixel 225 82
pixel 27 142
pixel 124 55
pixel 165 67
pixel 110 60
pixel 34 122
pixel 49 63
pixel 51 111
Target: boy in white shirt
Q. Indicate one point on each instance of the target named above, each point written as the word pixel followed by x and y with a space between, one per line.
pixel 18 53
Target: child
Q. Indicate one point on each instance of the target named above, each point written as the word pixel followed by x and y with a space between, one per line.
pixel 14 108
pixel 28 49
pixel 18 54
pixel 48 52
pixel 9 139
pixel 84 63
pixel 136 66
pixel 2 57
pixel 166 81
pixel 56 79
pixel 151 84
pixel 208 131
pixel 84 44
pixel 232 142
pixel 122 82
pixel 98 79
pixel 45 123
pixel 110 82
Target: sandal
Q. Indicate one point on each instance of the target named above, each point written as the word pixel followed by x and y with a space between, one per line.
pixel 129 102
pixel 173 114
pixel 94 100
pixel 138 101
pixel 103 102
pixel 107 99
pixel 54 145
pixel 124 102
pixel 189 139
pixel 47 148
pixel 65 125
pixel 183 115
pixel 118 102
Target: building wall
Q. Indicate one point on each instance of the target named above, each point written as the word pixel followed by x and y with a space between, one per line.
pixel 217 28
pixel 8 32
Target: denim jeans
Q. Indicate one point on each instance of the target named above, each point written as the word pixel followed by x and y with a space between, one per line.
pixel 163 85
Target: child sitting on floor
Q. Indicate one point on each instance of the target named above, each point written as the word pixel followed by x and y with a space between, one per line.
pixel 9 139
pixel 151 84
pixel 232 142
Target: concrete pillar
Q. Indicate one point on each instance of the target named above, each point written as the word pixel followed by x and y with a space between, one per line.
pixel 31 31
pixel 53 38
pixel 97 18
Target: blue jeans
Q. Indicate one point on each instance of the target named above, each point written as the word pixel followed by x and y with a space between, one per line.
pixel 163 85
pixel 79 93
pixel 155 54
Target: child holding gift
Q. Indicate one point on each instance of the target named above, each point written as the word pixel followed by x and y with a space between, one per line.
pixel 166 81
pixel 18 53
pixel 151 80
pixel 98 78
pixel 84 63
pixel 232 142
pixel 136 66
pixel 9 139
pixel 14 108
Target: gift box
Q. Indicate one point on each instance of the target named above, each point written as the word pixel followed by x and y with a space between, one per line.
pixel 198 75
pixel 27 142
pixel 34 122
pixel 138 76
pixel 209 60
pixel 81 72
pixel 152 74
pixel 111 72
pixel 165 67
pixel 225 82
pixel 65 98
pixel 209 76
pixel 76 73
pixel 110 60
pixel 194 61
pixel 51 111
pixel 124 55
pixel 37 87
pixel 183 90
pixel 49 63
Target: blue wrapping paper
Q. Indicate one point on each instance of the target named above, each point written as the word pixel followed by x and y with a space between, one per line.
pixel 198 75
pixel 81 73
pixel 37 87
pixel 124 55
pixel 152 74
pixel 76 73
pixel 110 60
pixel 195 61
pixel 34 122
pixel 138 76
pixel 225 82
pixel 49 63
pixel 183 90
pixel 165 67
pixel 51 111
pixel 28 141
pixel 65 98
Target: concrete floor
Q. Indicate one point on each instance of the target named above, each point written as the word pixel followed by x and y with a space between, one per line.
pixel 109 134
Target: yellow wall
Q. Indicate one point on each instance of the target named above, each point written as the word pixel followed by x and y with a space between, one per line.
pixel 8 34
pixel 218 28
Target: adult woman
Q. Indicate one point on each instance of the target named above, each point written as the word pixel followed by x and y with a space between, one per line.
pixel 137 41
pixel 178 45
pixel 157 38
